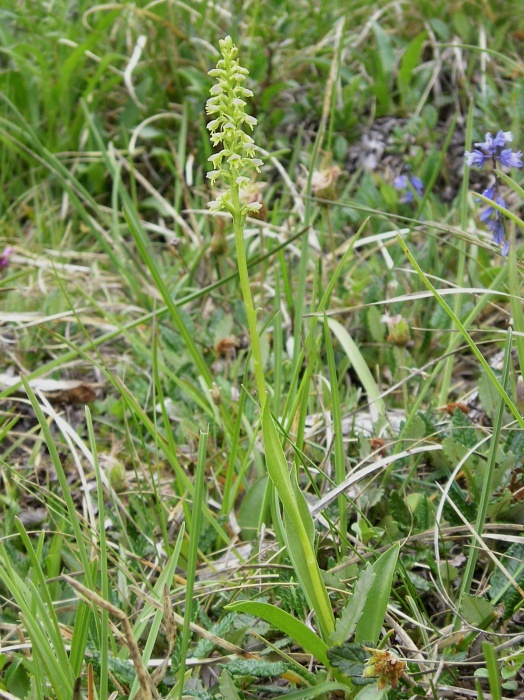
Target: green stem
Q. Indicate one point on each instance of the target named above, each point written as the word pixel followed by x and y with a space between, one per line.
pixel 251 314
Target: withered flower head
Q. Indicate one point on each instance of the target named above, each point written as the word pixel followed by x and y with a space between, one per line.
pixel 386 665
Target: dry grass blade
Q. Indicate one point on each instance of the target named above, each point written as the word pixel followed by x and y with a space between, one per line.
pixel 148 689
pixel 170 630
pixel 179 620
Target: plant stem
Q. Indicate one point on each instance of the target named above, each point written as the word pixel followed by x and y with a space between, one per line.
pixel 251 314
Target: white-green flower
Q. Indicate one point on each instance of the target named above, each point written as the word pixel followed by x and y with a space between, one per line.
pixel 236 156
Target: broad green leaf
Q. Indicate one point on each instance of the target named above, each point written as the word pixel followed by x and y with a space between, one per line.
pixel 371 692
pixel 352 612
pixel 479 612
pixel 298 526
pixel 227 687
pixel 370 624
pixel 286 623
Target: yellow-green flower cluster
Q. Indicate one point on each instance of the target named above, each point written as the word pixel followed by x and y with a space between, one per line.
pixel 237 153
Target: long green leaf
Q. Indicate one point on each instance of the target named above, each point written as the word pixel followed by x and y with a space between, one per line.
pixel 352 612
pixel 286 623
pixel 370 624
pixel 298 525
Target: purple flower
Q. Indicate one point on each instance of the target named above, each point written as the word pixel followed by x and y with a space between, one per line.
pixel 492 148
pixel 510 159
pixel 487 145
pixel 475 158
pixel 402 183
pixel 418 185
pixel 497 229
pixel 493 218
pixel 4 258
pixel 491 211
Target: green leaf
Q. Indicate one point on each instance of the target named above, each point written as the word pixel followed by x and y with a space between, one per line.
pixel 250 511
pixel 479 612
pixel 416 429
pixel 228 688
pixel 350 660
pixel 490 656
pixel 410 60
pixel 370 624
pixel 488 395
pixel 352 612
pixel 463 431
pixel 257 668
pixel 298 526
pixel 455 452
pixel 316 691
pixel 399 510
pixel 513 562
pixel 371 692
pixel 286 623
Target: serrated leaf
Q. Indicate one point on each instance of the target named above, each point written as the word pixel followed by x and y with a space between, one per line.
pixel 352 612
pixel 463 431
pixel 399 510
pixel 513 562
pixel 350 660
pixel 467 509
pixel 455 452
pixel 258 668
pixel 423 514
pixel 515 443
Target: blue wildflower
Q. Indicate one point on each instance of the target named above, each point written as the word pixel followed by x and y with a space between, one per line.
pixel 510 159
pixel 406 186
pixel 493 149
pixel 475 158
pixel 491 212
pixel 496 227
